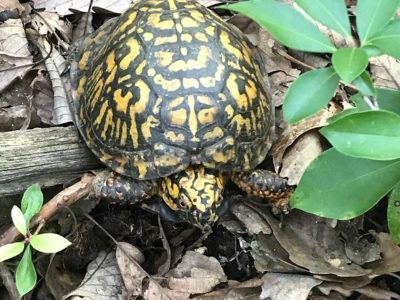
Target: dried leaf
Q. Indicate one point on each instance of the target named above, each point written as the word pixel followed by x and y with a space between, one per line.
pixel 280 286
pixel 386 71
pixel 13 52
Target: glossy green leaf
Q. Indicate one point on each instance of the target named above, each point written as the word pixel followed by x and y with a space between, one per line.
pixel 19 220
pixel 49 242
pixel 389 100
pixel 358 100
pixel 393 214
pixel 372 51
pixel 365 85
pixel 372 16
pixel 11 250
pixel 285 24
pixel 369 134
pixel 349 63
pixel 330 13
pixel 343 187
pixel 309 93
pixel 388 40
pixel 25 277
pixel 32 201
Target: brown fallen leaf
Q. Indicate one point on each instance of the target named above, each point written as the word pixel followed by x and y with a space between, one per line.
pixel 196 274
pixel 11 5
pixel 386 71
pixel 280 286
pixel 14 52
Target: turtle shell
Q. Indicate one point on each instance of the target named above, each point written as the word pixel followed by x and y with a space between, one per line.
pixel 170 84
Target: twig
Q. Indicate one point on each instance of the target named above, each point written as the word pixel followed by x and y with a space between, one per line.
pixel 65 198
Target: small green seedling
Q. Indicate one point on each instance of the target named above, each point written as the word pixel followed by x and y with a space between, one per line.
pixel 25 276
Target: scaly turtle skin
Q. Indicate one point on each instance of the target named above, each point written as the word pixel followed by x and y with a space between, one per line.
pixel 173 99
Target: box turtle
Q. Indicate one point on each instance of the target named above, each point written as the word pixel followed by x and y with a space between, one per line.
pixel 173 100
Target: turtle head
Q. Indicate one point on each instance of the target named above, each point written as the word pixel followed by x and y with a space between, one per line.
pixel 194 195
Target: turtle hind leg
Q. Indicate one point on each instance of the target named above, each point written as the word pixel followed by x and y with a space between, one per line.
pixel 120 189
pixel 265 184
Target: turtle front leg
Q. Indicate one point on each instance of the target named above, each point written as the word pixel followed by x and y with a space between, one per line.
pixel 265 184
pixel 122 190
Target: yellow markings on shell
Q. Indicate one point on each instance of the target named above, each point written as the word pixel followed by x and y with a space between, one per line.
pixel 185 37
pixel 84 60
pixel 153 19
pixel 164 58
pixel 193 124
pixel 81 86
pixel 111 76
pixel 118 129
pixel 214 134
pixel 96 96
pixel 210 81
pixel 207 115
pixel 157 105
pixel 128 22
pixel 240 99
pixel 179 28
pixel 122 101
pixel 226 43
pixel 210 30
pixel 200 62
pixel 251 91
pixel 151 72
pixel 178 117
pixel 168 85
pixel 176 15
pixel 174 137
pixel 148 36
pixel 176 102
pixel 166 40
pixel 190 83
pixel 151 122
pixel 140 67
pixel 101 114
pixel 198 16
pixel 172 5
pixel 108 123
pixel 201 37
pixel 184 51
pixel 124 78
pixel 188 22
pixel 104 156
pixel 124 133
pixel 241 122
pixel 110 62
pixel 121 161
pixel 141 167
pixel 134 49
pixel 138 108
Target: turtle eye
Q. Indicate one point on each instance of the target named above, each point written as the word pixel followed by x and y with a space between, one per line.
pixel 183 203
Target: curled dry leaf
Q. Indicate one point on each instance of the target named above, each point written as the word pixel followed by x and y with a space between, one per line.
pixel 300 155
pixel 251 220
pixel 196 274
pixel 14 52
pixel 43 98
pixel 279 286
pixel 11 5
pixel 102 281
pixel 137 282
pixel 13 118
pixel 292 132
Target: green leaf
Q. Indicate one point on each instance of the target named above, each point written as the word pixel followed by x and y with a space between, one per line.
pixel 349 63
pixel 25 276
pixel 11 250
pixel 330 13
pixel 372 16
pixel 368 134
pixel 365 85
pixel 32 201
pixel 285 24
pixel 49 242
pixel 388 40
pixel 343 187
pixel 389 100
pixel 19 220
pixel 309 93
pixel 393 214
